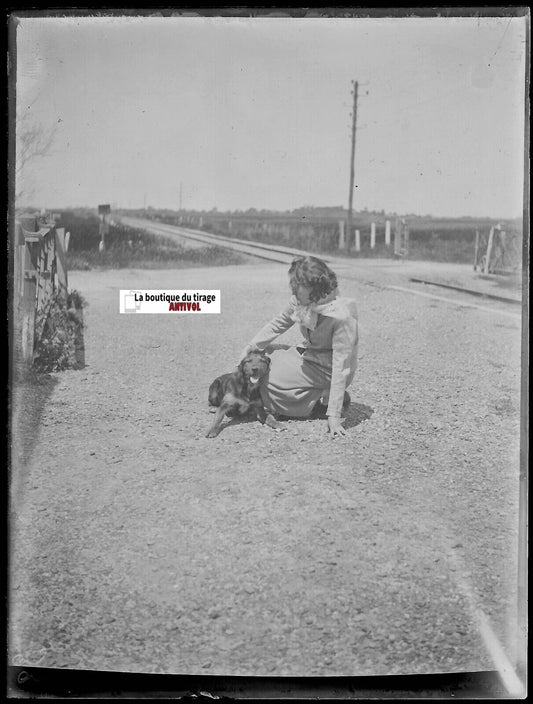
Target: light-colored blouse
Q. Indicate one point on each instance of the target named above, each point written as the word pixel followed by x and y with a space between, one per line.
pixel 332 344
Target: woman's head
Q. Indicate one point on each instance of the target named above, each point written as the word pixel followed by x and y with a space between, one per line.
pixel 311 279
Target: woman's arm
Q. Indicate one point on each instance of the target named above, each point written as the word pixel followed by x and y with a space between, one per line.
pixel 275 327
pixel 345 337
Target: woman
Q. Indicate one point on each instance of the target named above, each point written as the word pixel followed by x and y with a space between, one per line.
pixel 322 367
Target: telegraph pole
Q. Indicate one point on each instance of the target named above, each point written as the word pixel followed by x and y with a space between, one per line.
pixel 352 168
pixel 181 190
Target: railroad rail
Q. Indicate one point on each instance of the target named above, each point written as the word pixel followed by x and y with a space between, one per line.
pixel 278 253
pixel 472 292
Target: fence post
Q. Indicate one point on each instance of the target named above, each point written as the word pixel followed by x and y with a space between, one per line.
pixel 387 232
pixel 372 235
pixel 342 239
pixel 45 258
pixel 489 251
pixel 405 238
pixel 18 293
pixel 103 230
pixel 357 241
pixel 28 304
pixel 20 256
pixel 61 263
pixel 476 250
pixel 398 237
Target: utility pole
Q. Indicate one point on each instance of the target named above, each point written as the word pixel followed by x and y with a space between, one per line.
pixel 352 168
pixel 180 194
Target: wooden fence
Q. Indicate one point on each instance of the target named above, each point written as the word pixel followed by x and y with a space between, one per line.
pixel 40 272
pixel 499 252
pixel 321 233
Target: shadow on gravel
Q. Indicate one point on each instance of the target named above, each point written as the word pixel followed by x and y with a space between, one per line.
pixel 29 394
pixel 356 414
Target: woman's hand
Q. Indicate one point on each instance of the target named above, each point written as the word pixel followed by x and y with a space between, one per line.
pixel 335 426
pixel 272 347
pixel 245 352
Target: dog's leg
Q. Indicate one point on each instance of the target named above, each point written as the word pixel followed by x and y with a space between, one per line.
pixel 273 423
pixel 217 421
pixel 215 395
pixel 268 419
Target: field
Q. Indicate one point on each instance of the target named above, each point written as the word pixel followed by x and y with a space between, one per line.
pixel 126 248
pixel 430 239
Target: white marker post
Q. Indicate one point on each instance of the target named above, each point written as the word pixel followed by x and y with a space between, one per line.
pixel 387 232
pixel 357 241
pixel 373 235
pixel 342 239
pixel 489 251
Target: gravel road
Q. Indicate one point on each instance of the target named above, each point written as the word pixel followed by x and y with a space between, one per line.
pixel 137 544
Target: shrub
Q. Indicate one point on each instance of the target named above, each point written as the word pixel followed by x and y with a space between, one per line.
pixel 57 348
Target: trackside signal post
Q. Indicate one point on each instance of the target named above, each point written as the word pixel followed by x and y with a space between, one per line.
pixel 103 230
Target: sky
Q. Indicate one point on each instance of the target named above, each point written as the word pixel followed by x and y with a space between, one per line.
pixel 238 113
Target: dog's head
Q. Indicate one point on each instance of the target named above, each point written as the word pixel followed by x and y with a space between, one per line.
pixel 254 366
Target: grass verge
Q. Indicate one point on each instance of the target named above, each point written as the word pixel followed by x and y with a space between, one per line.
pixel 133 248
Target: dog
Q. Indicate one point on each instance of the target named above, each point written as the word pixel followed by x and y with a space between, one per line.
pixel 238 393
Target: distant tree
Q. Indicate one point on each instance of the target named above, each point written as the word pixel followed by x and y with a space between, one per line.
pixel 33 142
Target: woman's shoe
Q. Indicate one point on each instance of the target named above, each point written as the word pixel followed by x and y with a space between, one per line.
pixel 321 407
pixel 319 410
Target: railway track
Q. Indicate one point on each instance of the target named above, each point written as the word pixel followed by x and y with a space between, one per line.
pixel 283 255
pixel 472 292
pixel 349 268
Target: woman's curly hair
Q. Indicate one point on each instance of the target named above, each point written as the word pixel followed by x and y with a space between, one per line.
pixel 314 274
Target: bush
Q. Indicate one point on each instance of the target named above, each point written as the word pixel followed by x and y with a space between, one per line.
pixel 60 340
